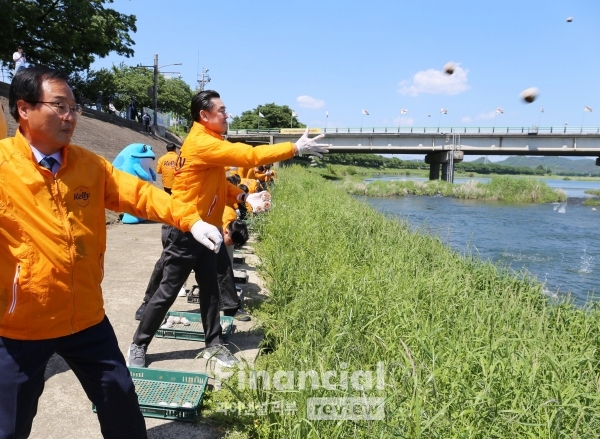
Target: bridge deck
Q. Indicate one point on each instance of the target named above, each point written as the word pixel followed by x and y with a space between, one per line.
pixel 549 141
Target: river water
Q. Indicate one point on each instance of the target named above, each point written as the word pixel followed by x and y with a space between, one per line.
pixel 558 243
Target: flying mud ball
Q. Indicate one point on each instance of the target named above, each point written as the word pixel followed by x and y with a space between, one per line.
pixel 529 95
pixel 569 19
pixel 449 68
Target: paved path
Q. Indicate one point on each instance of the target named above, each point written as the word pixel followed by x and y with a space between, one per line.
pixel 64 411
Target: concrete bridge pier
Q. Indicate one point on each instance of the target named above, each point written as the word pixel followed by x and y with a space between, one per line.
pixel 446 159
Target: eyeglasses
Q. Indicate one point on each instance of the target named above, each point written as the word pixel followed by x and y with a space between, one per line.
pixel 61 108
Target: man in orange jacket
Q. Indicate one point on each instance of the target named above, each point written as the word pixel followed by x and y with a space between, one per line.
pixel 166 167
pixel 200 180
pixel 53 197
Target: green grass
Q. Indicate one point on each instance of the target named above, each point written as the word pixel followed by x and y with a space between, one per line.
pixel 470 350
pixel 592 201
pixel 509 189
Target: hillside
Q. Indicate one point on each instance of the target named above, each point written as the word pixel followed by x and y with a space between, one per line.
pixel 555 164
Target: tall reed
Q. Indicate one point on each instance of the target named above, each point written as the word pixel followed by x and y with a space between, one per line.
pixel 509 189
pixel 469 349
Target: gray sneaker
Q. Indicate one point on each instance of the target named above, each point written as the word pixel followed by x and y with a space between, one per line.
pixel 221 355
pixel 137 356
pixel 242 316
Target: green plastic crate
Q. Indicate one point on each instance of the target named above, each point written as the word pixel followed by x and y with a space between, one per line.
pixel 157 389
pixel 195 331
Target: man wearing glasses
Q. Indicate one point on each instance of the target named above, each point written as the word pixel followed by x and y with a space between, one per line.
pixel 52 242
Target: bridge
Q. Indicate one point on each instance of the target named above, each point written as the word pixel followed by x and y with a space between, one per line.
pixel 443 146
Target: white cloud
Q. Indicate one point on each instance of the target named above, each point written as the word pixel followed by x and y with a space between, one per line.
pixel 466 119
pixel 404 121
pixel 436 82
pixel 490 115
pixel 310 102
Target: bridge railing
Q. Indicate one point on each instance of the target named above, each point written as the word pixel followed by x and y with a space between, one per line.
pixel 438 130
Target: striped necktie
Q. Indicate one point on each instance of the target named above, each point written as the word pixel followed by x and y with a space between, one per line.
pixel 48 163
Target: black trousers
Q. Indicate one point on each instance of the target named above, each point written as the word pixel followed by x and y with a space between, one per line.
pixel 229 300
pixel 181 254
pixel 94 356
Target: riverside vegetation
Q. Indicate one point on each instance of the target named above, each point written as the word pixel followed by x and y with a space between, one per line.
pixel 595 201
pixel 510 189
pixel 469 349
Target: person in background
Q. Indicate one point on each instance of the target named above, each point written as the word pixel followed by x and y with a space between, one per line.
pixel 99 101
pixel 146 120
pixel 112 109
pixel 52 243
pixel 19 59
pixel 251 184
pixel 166 167
pixel 200 179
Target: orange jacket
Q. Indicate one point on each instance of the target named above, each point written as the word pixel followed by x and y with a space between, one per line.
pixel 199 176
pixel 53 236
pixel 3 126
pixel 252 185
pixel 229 215
pixel 250 174
pixel 166 167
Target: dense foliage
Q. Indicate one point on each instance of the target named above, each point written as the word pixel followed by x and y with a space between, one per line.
pixel 122 84
pixel 275 116
pixel 509 189
pixel 64 34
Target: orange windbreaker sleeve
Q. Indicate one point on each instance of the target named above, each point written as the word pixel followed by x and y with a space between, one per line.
pixel 232 194
pixel 127 193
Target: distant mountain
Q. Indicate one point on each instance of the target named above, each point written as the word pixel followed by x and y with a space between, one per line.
pixel 555 164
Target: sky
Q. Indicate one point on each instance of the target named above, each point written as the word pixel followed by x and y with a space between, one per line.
pixel 338 58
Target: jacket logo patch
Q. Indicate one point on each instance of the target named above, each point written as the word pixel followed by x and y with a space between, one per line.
pixel 82 196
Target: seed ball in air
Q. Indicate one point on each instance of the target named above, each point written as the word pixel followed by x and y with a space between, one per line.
pixel 569 19
pixel 529 95
pixel 449 68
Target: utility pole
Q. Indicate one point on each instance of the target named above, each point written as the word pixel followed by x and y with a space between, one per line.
pixel 154 96
pixel 204 79
pixel 155 90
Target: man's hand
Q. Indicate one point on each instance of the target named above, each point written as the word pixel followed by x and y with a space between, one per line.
pixel 306 146
pixel 207 235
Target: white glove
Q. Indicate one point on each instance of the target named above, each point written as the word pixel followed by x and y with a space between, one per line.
pixel 207 235
pixel 306 146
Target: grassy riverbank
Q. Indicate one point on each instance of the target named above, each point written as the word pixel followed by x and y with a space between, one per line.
pixel 510 189
pixel 592 201
pixel 467 349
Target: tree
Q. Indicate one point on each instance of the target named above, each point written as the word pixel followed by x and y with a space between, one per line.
pixel 64 34
pixel 275 116
pixel 122 84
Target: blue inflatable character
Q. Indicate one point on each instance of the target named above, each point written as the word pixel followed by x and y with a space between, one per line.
pixel 136 159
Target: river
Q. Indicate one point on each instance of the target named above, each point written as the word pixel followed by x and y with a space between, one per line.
pixel 558 243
